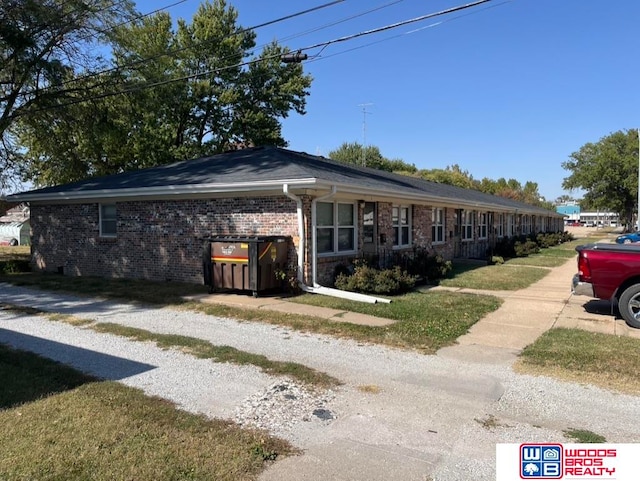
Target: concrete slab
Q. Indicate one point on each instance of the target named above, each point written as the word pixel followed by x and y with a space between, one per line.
pixel 501 335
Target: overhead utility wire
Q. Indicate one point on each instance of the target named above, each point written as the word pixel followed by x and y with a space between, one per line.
pixel 181 49
pixel 249 62
pixel 338 22
pixel 317 58
pixel 136 17
pixel 394 25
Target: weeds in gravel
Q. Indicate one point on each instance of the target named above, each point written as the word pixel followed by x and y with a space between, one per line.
pixel 59 424
pixel 584 436
pixel 370 388
pixel 52 316
pixel 205 350
pixel 604 360
pixel 193 346
pixel 425 321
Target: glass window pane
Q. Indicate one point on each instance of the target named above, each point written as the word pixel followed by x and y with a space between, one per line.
pixel 395 236
pixel 324 213
pixel 404 215
pixel 405 236
pixel 345 239
pixel 324 239
pixel 108 211
pixel 109 227
pixel 369 213
pixel 345 214
pixel 394 215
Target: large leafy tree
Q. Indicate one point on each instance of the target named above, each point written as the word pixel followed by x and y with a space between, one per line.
pixel 354 153
pixel 608 172
pixel 41 43
pixel 370 156
pixel 174 93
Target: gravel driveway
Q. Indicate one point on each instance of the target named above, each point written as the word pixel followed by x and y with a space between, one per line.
pixel 427 417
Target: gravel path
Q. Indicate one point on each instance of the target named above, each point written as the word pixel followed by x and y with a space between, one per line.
pixel 420 415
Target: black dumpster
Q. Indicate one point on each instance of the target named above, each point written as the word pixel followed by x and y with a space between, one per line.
pixel 245 263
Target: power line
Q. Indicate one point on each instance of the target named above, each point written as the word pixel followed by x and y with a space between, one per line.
pixel 396 25
pixel 338 22
pixel 249 62
pixel 317 58
pixel 135 18
pixel 181 49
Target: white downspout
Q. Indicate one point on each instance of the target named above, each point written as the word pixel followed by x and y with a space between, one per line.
pixel 328 291
pixel 314 237
pixel 318 289
pixel 301 243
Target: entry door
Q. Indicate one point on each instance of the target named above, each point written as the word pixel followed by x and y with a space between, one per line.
pixel 457 234
pixel 370 229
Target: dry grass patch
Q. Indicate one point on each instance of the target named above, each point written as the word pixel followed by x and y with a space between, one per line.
pixel 575 355
pixel 370 388
pixel 205 350
pixel 52 316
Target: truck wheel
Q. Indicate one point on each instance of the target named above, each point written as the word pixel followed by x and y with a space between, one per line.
pixel 629 305
pixel 13 242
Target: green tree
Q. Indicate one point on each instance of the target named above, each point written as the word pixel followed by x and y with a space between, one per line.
pixel 41 42
pixel 452 175
pixel 369 156
pixel 190 92
pixel 608 172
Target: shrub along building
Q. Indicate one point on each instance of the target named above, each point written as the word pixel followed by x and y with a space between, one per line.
pixel 152 223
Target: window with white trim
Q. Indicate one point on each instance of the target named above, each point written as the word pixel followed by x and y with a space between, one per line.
pixel 511 225
pixel 500 226
pixel 467 225
pixel 526 224
pixel 437 225
pixel 482 225
pixel 401 221
pixel 108 220
pixel 335 227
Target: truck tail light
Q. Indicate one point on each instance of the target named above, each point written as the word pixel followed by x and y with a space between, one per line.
pixel 583 267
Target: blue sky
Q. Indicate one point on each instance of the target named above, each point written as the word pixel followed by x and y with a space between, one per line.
pixel 505 89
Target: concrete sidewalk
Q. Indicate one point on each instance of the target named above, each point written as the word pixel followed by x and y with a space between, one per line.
pixel 522 318
pixel 281 304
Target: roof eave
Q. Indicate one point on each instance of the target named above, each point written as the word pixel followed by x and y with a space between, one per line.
pixel 163 191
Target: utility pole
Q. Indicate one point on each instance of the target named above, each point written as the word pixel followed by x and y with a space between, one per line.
pixel 364 132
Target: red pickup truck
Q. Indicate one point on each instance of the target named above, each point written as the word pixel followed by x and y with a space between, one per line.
pixel 611 271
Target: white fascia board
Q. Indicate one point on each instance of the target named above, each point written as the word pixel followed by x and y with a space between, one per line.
pixel 168 191
pixel 422 198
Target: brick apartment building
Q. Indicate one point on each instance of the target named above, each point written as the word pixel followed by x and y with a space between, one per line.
pixel 152 223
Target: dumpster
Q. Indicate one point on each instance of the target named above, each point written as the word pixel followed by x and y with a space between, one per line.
pixel 245 263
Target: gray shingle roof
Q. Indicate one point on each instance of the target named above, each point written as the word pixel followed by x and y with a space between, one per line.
pixel 269 164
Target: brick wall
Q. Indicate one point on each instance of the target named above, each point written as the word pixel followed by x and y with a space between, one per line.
pixel 156 240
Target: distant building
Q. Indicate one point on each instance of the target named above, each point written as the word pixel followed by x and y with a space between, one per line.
pixel 571 212
pixel 15 228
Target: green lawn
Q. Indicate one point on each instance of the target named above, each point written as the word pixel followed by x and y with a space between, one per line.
pixel 604 360
pixel 502 277
pixel 58 424
pixel 426 321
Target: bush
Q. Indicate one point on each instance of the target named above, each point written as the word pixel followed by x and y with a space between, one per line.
pixel 549 239
pixel 497 260
pixel 420 263
pixel 368 280
pixel 14 266
pixel 526 248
